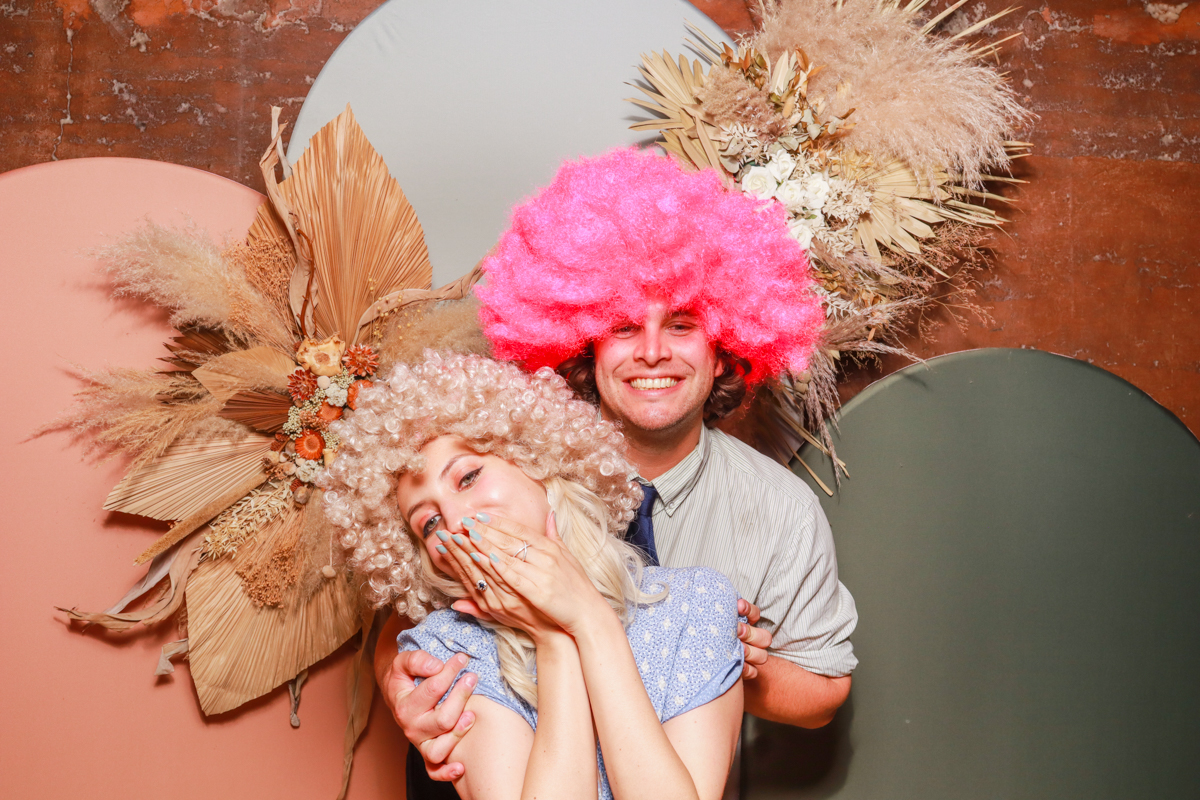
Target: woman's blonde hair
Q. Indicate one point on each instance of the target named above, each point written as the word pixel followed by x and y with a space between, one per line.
pixel 531 420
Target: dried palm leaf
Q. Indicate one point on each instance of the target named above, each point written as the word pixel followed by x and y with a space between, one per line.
pixel 352 217
pixel 187 475
pixel 256 368
pixel 214 506
pixel 175 565
pixel 361 693
pixel 193 346
pixel 395 301
pixel 239 650
pixel 262 411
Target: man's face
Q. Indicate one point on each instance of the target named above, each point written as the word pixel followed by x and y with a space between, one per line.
pixel 657 375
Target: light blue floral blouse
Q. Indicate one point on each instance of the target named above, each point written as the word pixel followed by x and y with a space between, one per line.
pixel 686 646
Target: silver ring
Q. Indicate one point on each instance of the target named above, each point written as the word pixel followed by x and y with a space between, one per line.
pixel 521 552
pixel 481 585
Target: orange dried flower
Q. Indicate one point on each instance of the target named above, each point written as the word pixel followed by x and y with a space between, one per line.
pixel 302 385
pixel 352 393
pixel 312 419
pixel 329 413
pixel 310 444
pixel 361 360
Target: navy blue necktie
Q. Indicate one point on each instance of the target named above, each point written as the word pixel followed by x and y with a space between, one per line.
pixel 641 530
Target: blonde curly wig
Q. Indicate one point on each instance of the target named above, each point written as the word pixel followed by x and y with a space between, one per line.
pixel 531 420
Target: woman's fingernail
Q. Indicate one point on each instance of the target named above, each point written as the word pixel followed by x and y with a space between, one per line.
pixel 458 540
pixel 441 549
pixel 468 522
pixel 445 537
pixel 482 517
pixel 478 558
pixel 495 558
pixel 475 537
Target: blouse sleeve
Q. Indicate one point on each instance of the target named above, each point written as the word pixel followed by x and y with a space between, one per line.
pixel 708 658
pixel 444 633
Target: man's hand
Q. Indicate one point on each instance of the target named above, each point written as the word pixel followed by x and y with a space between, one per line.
pixel 434 730
pixel 755 640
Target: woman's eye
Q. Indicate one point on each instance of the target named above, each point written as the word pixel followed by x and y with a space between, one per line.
pixel 470 478
pixel 431 525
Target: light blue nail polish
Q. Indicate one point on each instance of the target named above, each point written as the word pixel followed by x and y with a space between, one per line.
pixel 475 537
pixel 441 550
pixel 478 559
pixel 445 537
pixel 468 522
pixel 495 558
pixel 458 540
pixel 482 517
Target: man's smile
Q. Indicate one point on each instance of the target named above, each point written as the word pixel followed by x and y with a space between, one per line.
pixel 653 383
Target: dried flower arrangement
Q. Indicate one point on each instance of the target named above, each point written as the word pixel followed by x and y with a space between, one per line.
pixel 226 442
pixel 878 136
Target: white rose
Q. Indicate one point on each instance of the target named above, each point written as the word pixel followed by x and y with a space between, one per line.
pixel 817 188
pixel 781 165
pixel 759 182
pixel 801 232
pixel 793 195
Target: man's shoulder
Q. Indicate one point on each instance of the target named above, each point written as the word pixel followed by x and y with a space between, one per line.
pixel 758 471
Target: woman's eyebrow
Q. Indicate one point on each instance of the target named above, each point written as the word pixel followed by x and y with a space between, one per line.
pixel 442 476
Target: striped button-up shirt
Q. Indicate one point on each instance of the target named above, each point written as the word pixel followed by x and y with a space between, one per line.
pixel 729 507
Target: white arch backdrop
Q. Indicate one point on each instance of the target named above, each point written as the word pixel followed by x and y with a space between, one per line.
pixel 473 104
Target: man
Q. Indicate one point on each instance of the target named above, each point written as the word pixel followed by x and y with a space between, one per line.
pixel 661 295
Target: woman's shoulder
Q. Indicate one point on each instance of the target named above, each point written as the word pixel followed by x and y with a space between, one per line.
pixel 686 644
pixel 703 582
pixel 445 632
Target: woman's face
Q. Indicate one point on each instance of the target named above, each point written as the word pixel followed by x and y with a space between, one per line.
pixel 457 482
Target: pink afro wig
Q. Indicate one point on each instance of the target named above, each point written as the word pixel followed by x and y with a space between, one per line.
pixel 615 233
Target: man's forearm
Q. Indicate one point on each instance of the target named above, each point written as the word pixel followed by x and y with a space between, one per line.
pixel 386 648
pixel 787 693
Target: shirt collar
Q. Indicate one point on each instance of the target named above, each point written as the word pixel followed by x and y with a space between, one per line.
pixel 675 484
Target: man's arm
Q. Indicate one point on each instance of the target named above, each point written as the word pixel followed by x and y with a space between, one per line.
pixel 788 693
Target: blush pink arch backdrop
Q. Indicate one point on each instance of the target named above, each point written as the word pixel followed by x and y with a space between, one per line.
pixel 83 715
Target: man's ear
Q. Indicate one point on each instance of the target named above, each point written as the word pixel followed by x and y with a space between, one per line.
pixel 719 369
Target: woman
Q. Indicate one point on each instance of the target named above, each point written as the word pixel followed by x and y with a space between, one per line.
pixel 463 481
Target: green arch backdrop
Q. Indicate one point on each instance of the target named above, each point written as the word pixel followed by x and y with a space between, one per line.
pixel 1021 532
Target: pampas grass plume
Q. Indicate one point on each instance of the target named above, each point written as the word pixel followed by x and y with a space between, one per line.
pixel 181 270
pixel 922 99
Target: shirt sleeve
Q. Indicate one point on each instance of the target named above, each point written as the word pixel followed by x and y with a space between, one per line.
pixel 444 633
pixel 810 613
pixel 708 657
